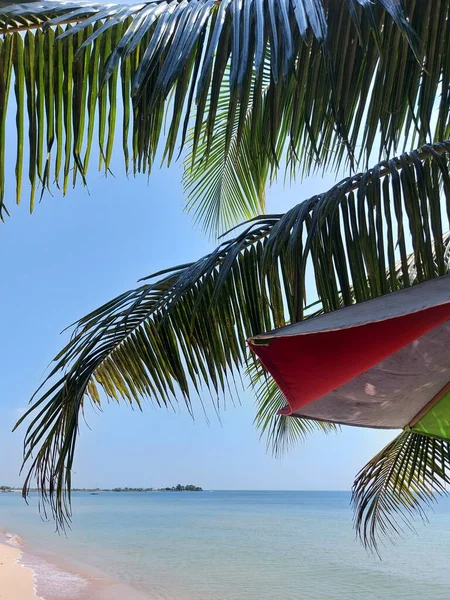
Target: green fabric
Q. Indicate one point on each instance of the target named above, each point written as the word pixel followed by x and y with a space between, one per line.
pixel 436 422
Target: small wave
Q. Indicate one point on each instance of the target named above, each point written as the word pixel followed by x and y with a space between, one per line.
pixel 53 582
pixel 14 540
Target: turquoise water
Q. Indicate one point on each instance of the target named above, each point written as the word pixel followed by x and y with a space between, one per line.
pixel 228 546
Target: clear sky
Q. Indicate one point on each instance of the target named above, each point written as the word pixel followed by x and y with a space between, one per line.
pixel 75 253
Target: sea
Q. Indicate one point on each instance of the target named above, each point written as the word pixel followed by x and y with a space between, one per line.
pixel 224 545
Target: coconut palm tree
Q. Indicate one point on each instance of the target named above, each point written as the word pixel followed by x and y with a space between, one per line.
pixel 242 86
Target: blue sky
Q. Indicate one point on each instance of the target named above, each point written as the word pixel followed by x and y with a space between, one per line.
pixel 77 252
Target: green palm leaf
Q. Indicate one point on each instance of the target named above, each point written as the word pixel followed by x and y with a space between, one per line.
pixel 187 331
pixel 224 178
pixel 282 433
pixel 172 62
pixel 397 483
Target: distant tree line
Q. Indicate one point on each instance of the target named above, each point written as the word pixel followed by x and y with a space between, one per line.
pixel 175 488
pixel 182 488
pixel 130 489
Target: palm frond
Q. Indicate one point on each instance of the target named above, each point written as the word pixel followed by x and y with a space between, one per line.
pixel 225 180
pixel 396 485
pixel 168 59
pixel 28 15
pixel 282 433
pixel 187 330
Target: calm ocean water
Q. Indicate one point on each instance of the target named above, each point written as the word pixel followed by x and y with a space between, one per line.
pixel 226 546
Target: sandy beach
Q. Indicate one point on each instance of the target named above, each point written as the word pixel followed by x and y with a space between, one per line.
pixel 16 581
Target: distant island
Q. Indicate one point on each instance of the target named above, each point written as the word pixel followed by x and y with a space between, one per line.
pixel 175 488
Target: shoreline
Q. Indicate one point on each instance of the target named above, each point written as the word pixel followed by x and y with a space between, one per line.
pixel 16 580
pixel 54 577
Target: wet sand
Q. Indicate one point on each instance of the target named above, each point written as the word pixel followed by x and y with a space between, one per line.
pixel 16 581
pixel 29 574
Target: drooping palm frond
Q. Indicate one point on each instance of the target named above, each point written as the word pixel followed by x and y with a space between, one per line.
pixel 217 180
pixel 187 331
pixel 282 433
pixel 397 483
pixel 68 64
pixel 226 178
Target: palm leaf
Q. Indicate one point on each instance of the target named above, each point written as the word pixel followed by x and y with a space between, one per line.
pixel 187 330
pixel 318 107
pixel 397 484
pixel 282 433
pixel 224 180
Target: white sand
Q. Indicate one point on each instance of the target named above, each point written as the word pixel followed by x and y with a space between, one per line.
pixel 16 581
